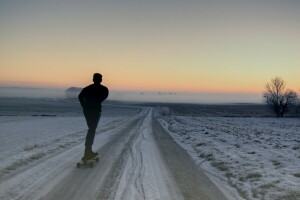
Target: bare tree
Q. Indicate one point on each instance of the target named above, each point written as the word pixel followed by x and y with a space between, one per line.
pixel 278 98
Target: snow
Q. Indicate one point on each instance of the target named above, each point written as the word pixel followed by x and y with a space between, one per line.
pixel 145 175
pixel 36 152
pixel 252 158
pixel 247 158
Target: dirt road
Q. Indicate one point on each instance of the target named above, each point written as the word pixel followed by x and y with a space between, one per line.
pixel 139 160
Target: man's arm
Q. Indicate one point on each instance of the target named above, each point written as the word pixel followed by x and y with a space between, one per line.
pixel 81 98
pixel 104 94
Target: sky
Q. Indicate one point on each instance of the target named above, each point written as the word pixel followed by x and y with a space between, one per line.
pixel 196 46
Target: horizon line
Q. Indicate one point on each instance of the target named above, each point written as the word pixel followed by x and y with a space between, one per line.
pixel 140 91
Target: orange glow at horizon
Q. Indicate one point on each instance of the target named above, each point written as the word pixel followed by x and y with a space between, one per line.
pixel 230 49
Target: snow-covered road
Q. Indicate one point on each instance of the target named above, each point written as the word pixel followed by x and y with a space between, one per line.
pixel 138 160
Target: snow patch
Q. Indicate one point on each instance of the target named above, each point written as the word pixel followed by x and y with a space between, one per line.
pixel 252 158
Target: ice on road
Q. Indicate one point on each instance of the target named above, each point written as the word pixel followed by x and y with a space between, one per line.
pixel 138 160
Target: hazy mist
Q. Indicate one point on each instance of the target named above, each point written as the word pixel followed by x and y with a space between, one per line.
pixel 138 96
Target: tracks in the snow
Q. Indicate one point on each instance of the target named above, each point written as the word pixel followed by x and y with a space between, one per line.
pixel 138 161
pixel 192 182
pixel 101 181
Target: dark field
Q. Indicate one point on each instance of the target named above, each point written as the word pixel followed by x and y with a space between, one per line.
pixel 57 107
pixel 234 110
pixel 71 107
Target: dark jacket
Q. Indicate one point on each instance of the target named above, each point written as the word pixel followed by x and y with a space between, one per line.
pixel 92 96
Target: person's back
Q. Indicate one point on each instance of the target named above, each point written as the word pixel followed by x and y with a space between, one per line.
pixel 92 96
pixel 90 99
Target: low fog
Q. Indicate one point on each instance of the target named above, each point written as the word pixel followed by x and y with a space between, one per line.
pixel 32 92
pixel 135 96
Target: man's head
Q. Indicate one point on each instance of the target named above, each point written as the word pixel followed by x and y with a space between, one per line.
pixel 97 78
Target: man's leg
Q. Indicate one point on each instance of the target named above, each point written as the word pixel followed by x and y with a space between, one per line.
pixel 92 119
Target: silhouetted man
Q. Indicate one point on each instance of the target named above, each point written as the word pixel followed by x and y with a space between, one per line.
pixel 90 99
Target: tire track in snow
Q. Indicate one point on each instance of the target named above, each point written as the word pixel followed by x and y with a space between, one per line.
pixel 145 175
pixel 41 178
pixel 45 148
pixel 96 183
pixel 139 161
pixel 108 189
pixel 192 182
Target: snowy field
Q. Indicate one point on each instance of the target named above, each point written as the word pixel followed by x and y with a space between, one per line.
pixel 137 160
pixel 246 157
pixel 27 140
pixel 256 158
pixel 34 138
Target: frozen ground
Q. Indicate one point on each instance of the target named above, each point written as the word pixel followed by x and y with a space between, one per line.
pixel 41 141
pixel 254 158
pixel 138 158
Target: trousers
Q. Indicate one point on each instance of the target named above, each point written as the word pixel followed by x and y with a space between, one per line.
pixel 92 118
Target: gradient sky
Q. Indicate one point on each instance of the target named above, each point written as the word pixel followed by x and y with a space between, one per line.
pixel 233 46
